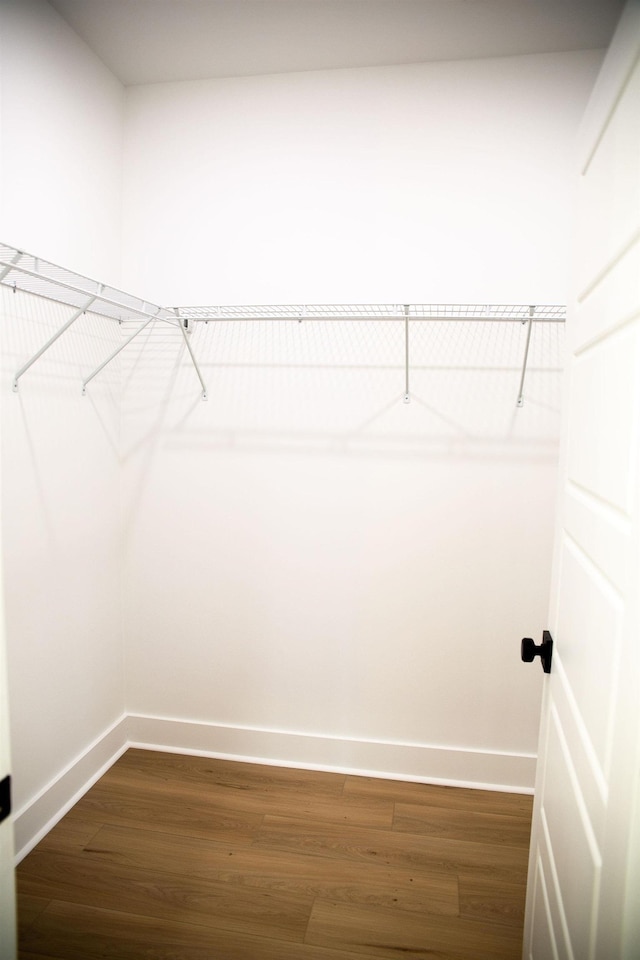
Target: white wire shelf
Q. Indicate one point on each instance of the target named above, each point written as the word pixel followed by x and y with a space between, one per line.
pixel 30 274
pixel 554 313
pixel 25 272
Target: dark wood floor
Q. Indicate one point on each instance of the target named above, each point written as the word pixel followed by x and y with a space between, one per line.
pixel 172 857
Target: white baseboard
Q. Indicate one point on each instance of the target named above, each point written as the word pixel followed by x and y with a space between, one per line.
pixel 488 770
pixel 452 766
pixel 34 820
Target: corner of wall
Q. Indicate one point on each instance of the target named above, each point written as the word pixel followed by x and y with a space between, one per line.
pixel 420 763
pixel 37 817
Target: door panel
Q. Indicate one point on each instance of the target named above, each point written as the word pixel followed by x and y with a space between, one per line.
pixel 612 302
pixel 585 762
pixel 543 931
pixel 603 464
pixel 591 610
pixel 576 855
pixel 599 531
pixel 610 189
pixel 584 879
pixel 547 881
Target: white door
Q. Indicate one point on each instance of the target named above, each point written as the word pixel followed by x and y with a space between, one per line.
pixel 583 899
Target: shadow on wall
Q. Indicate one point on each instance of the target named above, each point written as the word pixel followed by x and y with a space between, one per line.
pixel 338 388
pixel 48 426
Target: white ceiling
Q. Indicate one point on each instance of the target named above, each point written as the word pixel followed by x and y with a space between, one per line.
pixel 149 41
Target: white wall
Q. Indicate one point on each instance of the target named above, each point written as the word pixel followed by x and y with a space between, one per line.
pixel 304 554
pixel 60 143
pixel 308 556
pixel 61 543
pixel 61 167
pixel 314 570
pixel 443 182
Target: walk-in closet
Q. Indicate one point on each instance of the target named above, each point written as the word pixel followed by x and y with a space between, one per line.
pixel 283 352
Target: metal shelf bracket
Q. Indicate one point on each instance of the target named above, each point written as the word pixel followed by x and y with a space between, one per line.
pixel 52 340
pixel 115 353
pixel 185 329
pixel 407 395
pixel 520 401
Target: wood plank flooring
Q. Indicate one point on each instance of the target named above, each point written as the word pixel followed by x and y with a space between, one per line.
pixel 172 857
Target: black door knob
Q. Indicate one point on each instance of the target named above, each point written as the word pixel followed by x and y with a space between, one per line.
pixel 530 650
